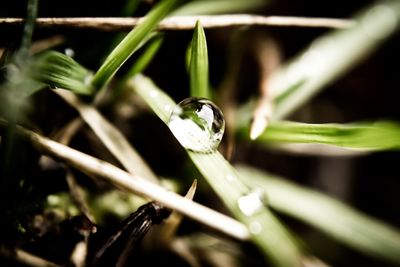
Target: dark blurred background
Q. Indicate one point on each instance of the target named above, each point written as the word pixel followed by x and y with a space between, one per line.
pixel 370 91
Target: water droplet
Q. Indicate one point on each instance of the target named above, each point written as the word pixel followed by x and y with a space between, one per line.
pixel 153 93
pixel 229 177
pixel 53 200
pixel 167 107
pixel 88 79
pixel 255 227
pixel 69 52
pixel 198 124
pixel 252 202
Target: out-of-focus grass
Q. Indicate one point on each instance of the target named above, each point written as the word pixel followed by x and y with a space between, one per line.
pixel 330 56
pixel 366 136
pixel 61 71
pixel 198 67
pixel 128 45
pixel 146 57
pixel 331 216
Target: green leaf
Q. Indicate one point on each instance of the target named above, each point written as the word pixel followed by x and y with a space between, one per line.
pixel 59 70
pixel 128 45
pixel 199 64
pixel 341 222
pixel 274 240
pixel 381 135
pixel 330 56
pixel 146 57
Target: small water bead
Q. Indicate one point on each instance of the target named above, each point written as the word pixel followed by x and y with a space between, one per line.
pixel 167 107
pixel 198 124
pixel 252 202
pixel 255 227
pixel 229 177
pixel 69 52
pixel 153 93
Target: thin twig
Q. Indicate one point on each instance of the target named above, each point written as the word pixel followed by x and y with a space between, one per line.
pixel 167 231
pixel 78 195
pixel 77 192
pixel 135 184
pixel 185 22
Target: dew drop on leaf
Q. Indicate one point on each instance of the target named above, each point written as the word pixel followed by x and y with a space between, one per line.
pixel 252 202
pixel 198 124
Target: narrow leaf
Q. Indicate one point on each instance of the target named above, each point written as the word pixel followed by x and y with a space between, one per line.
pixel 146 57
pixel 199 64
pixel 381 135
pixel 127 46
pixel 341 222
pixel 59 70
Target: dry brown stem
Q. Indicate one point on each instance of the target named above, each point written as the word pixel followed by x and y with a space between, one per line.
pixel 185 22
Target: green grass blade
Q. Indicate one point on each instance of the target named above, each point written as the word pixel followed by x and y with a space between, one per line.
pixel 199 64
pixel 331 216
pixel 331 56
pixel 59 70
pixel 269 234
pixel 146 57
pixel 273 239
pixel 127 46
pixel 202 7
pixel 381 135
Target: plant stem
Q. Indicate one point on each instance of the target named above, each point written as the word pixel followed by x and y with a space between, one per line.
pixel 134 184
pixel 186 22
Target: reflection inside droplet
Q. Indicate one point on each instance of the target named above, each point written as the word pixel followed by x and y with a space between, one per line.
pixel 198 124
pixel 229 177
pixel 252 202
